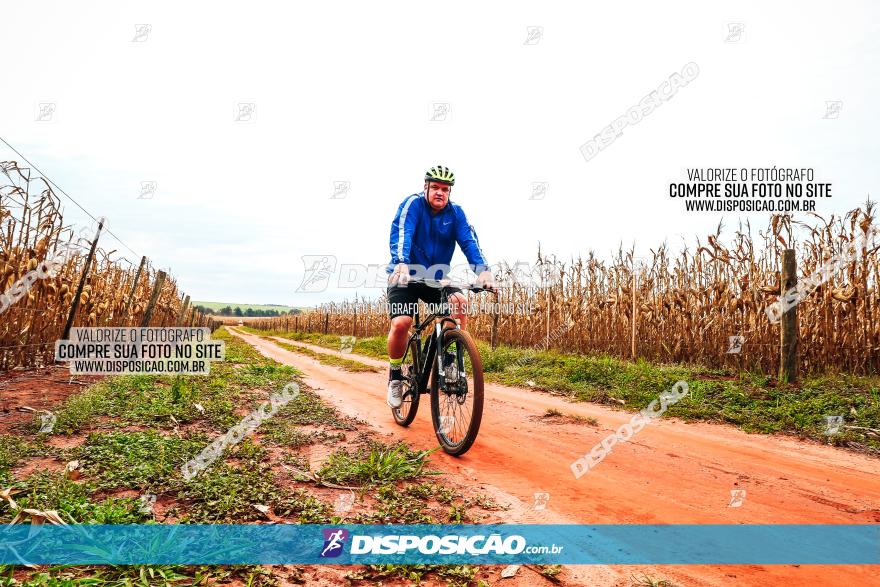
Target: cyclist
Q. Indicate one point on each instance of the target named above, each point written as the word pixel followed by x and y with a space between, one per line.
pixel 424 232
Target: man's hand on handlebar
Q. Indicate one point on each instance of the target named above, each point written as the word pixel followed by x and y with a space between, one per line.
pixel 486 281
pixel 400 275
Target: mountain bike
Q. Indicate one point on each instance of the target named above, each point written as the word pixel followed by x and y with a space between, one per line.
pixel 456 388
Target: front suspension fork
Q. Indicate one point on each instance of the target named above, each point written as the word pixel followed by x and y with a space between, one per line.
pixel 439 331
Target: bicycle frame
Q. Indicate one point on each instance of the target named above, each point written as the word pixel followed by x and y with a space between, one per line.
pixel 431 346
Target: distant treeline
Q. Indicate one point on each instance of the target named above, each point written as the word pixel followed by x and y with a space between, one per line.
pixel 237 311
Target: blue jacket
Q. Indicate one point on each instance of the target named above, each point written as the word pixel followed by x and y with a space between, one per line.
pixel 419 237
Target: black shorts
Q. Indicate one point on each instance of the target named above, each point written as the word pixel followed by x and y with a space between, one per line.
pixel 403 301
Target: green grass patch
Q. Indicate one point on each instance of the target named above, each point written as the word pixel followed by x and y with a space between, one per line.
pixel 281 432
pixel 454 575
pixel 146 460
pixel 303 506
pixel 328 359
pixel 648 581
pixel 14 449
pixel 407 505
pixel 226 493
pixel 140 576
pixel 308 409
pixel 54 491
pixel 376 464
pixel 411 504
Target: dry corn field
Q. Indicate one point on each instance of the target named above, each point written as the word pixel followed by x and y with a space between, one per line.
pixel 32 230
pixel 686 306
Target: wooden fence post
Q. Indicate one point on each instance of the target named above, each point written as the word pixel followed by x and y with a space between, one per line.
pixel 788 332
pixel 182 311
pixel 634 310
pixel 495 315
pixel 549 302
pixel 133 287
pixel 82 283
pixel 157 288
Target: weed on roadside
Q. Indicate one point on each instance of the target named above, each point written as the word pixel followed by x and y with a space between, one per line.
pixel 328 359
pixel 308 409
pixel 54 491
pixel 141 576
pixel 376 465
pixel 454 575
pixel 648 581
pixel 554 416
pixel 145 460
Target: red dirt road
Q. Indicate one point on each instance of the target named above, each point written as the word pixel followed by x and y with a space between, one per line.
pixel 671 472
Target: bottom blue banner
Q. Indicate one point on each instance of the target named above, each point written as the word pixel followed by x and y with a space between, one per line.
pixel 843 544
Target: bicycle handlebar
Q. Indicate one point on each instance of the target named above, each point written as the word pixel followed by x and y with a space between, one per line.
pixel 438 284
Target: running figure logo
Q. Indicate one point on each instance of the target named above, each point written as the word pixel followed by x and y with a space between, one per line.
pixel 318 269
pixel 736 344
pixel 333 540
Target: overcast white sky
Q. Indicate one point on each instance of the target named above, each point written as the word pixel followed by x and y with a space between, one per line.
pixel 344 91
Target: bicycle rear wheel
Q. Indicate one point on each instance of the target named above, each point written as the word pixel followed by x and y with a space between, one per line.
pixel 457 402
pixel 406 413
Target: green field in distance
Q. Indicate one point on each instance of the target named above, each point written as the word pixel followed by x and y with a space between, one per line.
pixel 217 306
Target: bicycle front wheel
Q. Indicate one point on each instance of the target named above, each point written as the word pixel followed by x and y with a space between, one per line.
pixel 457 394
pixel 406 413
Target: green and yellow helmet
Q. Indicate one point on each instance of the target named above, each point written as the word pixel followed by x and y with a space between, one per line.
pixel 440 174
